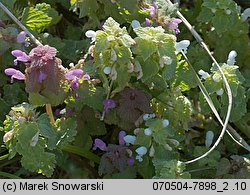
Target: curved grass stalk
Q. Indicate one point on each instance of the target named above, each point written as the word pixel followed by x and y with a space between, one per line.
pixel 206 95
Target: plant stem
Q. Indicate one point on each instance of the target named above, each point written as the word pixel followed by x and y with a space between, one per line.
pixel 50 113
pixel 5 9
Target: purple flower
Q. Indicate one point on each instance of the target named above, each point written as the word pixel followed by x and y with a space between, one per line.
pixel 108 104
pixel 74 84
pixel 41 77
pixel 46 52
pixel 173 25
pixel 26 43
pixel 20 56
pixel 99 144
pixel 155 5
pixel 15 74
pixel 77 97
pixel 86 77
pixel 1 23
pixel 130 161
pixel 148 22
pixel 21 37
pixel 101 25
pixel 152 10
pixel 72 74
pixel 122 134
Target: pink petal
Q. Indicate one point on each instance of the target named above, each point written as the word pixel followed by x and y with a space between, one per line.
pixel 73 73
pixel 21 37
pixel 10 71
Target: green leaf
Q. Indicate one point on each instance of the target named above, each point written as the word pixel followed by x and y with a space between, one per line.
pixel 101 42
pixel 34 158
pixel 122 80
pixel 124 55
pixel 167 49
pixel 111 27
pixel 169 169
pixel 221 22
pixel 146 168
pixel 130 5
pixel 66 129
pixel 4 46
pixel 142 139
pixel 89 95
pixel 4 109
pixel 35 20
pixel 88 124
pixel 225 163
pixel 144 48
pixel 182 77
pixel 14 93
pixel 49 11
pixel 244 124
pixel 149 68
pixel 211 160
pixel 47 131
pixel 87 7
pixel 47 98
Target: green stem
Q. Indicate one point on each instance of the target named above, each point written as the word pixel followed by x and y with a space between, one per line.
pixel 50 113
pixel 82 152
pixel 8 175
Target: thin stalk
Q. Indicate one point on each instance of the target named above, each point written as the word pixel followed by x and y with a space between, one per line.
pixel 50 113
pixel 5 9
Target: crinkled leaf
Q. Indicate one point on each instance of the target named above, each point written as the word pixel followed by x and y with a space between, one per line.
pixel 182 77
pixel 211 160
pixel 149 68
pixel 49 11
pixel 48 131
pixel 35 20
pixel 91 96
pixel 144 48
pixel 34 158
pixel 66 130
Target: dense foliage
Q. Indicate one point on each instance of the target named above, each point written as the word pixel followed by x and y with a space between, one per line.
pixel 123 80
